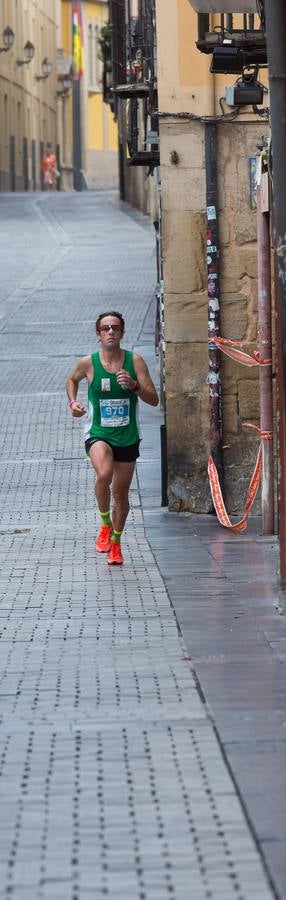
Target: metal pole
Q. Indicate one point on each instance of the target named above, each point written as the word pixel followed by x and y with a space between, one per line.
pixel 281 423
pixel 212 249
pixel 129 40
pixel 121 151
pixel 160 323
pixel 77 135
pixel 164 466
pixel 276 48
pixel 265 374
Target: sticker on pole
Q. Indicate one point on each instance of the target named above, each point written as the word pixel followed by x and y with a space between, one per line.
pixel 211 213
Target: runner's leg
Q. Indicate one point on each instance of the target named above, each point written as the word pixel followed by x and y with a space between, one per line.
pixel 122 477
pixel 101 458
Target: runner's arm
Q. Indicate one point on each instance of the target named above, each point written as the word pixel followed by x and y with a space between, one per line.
pixel 146 391
pixel 80 371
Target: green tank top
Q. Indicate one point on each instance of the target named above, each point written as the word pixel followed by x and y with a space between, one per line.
pixel 112 410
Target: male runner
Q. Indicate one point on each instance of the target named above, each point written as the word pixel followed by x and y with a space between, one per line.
pixel 116 378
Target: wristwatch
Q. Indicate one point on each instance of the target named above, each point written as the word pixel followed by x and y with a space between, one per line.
pixel 136 388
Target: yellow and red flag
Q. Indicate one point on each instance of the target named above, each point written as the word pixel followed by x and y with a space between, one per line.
pixel 77 40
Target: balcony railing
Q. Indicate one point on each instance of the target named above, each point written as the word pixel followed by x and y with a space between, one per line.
pixel 239 31
pixel 133 70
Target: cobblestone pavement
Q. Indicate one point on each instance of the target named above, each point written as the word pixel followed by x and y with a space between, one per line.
pixel 112 780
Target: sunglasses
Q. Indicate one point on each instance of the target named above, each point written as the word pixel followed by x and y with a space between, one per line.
pixel 107 328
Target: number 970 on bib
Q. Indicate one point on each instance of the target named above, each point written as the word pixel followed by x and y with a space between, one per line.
pixel 114 413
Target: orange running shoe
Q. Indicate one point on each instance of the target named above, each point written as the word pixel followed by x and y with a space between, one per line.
pixel 103 543
pixel 115 556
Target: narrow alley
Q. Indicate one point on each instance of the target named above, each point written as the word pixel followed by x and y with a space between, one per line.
pixel 128 767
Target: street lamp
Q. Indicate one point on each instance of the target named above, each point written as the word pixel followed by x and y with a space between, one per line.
pixel 29 51
pixel 67 80
pixel 46 69
pixel 8 39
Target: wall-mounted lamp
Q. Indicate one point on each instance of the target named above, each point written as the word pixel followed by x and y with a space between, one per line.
pixel 227 60
pixel 8 39
pixel 29 51
pixel 46 70
pixel 66 82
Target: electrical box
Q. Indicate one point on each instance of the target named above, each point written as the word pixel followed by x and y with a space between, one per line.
pixel 244 94
pixel 224 6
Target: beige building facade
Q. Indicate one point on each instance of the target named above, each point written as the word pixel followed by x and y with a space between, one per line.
pixel 99 138
pixel 35 111
pixel 185 86
pixel 28 106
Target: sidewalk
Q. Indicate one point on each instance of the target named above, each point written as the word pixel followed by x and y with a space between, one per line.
pixel 115 768
pixel 224 591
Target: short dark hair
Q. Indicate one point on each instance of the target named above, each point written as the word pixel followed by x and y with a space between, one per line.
pixel 111 312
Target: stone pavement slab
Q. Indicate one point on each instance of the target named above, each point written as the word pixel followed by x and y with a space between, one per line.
pixel 224 592
pixel 112 779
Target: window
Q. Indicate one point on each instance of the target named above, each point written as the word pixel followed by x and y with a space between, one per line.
pixel 19 129
pixel 90 55
pixel 5 134
pixel 6 117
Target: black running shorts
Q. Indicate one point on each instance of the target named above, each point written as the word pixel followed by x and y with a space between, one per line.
pixel 120 454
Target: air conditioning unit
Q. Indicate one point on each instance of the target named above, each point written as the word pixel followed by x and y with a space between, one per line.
pixel 224 6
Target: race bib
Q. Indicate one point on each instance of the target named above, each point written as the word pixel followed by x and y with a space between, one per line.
pixel 114 413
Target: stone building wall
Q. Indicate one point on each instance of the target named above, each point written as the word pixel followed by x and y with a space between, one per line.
pixel 239 291
pixel 186 308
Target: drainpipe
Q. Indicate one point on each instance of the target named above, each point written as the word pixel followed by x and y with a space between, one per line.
pixel 161 345
pixel 276 49
pixel 265 351
pixel 212 249
pixel 77 142
pixel 121 150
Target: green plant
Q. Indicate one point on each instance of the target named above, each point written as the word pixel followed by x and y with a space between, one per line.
pixel 104 40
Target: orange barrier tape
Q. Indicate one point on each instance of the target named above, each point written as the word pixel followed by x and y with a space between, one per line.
pixel 217 495
pixel 252 490
pixel 264 435
pixel 230 349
